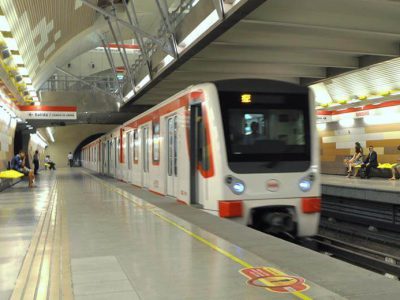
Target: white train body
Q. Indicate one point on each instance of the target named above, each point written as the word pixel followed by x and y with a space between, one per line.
pixel 200 147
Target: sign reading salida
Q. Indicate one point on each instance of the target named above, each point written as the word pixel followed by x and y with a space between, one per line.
pixel 38 112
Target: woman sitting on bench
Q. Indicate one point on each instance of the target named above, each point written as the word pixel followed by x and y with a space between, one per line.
pixel 356 160
pixel 396 167
pixel 18 164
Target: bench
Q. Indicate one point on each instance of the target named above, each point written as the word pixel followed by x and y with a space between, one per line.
pixel 382 171
pixel 9 178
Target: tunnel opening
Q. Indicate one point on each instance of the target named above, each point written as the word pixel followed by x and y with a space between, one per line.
pixel 78 150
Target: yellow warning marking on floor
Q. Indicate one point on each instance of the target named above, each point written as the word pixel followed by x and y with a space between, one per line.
pixel 40 274
pixel 227 254
pixel 24 285
pixel 66 274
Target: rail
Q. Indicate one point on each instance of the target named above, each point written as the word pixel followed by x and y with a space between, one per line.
pixel 370 259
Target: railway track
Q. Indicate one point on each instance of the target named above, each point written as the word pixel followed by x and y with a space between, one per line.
pixel 373 260
pixel 361 231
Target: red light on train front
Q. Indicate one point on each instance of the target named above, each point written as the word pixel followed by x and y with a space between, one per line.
pixel 311 205
pixel 230 209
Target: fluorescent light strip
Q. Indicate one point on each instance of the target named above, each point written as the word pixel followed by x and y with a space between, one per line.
pixel 199 30
pixel 41 136
pixel 50 134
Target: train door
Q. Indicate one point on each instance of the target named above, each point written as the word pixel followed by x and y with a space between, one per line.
pixel 145 156
pixel 115 148
pixel 108 156
pixel 172 156
pixel 128 155
pixel 198 156
pixel 103 157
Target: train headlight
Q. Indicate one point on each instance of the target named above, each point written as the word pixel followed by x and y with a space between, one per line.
pixel 235 185
pixel 305 184
pixel 238 188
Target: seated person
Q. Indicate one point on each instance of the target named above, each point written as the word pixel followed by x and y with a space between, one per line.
pixel 46 161
pixel 52 165
pixel 254 136
pixel 356 160
pixel 396 167
pixel 18 164
pixel 371 161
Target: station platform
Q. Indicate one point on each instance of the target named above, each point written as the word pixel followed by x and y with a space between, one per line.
pixel 373 189
pixel 370 202
pixel 81 236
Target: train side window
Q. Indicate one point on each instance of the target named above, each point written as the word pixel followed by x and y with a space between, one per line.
pixel 128 149
pixel 203 150
pixel 176 145
pixel 118 149
pixel 170 145
pixel 145 149
pixel 156 142
pixel 135 146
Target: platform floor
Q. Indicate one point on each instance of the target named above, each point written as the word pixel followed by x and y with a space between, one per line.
pixel 374 183
pixel 78 236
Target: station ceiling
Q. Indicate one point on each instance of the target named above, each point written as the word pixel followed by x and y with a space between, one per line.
pixel 298 41
pixel 305 42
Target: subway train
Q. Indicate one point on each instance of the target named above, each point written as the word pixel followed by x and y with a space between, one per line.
pixel 241 149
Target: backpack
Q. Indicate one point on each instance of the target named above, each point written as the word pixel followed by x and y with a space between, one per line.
pixel 363 172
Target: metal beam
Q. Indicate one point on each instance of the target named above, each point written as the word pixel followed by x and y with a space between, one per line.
pixel 133 27
pixel 369 60
pixel 133 19
pixel 219 6
pixel 308 81
pixel 331 72
pixel 163 8
pixel 355 32
pixel 387 51
pixel 250 55
pixel 254 68
pixel 112 65
pixel 240 11
pixel 87 83
pixel 123 55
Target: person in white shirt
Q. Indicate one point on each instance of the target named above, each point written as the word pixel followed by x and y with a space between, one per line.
pixel 70 159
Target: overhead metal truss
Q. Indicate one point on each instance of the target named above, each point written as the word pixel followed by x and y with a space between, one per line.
pixel 91 84
pixel 165 39
pixel 136 29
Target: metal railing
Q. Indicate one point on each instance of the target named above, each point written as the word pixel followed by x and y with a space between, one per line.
pixel 59 82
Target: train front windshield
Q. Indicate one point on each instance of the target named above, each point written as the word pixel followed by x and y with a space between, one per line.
pixel 266 127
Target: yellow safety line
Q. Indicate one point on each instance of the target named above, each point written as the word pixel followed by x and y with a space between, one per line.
pixel 23 276
pixel 192 234
pixel 54 285
pixel 66 275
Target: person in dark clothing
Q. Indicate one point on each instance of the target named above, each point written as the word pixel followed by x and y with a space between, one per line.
pixel 18 164
pixel 371 161
pixel 36 162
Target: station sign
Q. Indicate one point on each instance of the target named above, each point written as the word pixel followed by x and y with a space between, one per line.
pixel 45 112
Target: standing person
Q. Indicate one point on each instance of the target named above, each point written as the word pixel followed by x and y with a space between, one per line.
pixel 371 161
pixel 70 159
pixel 36 162
pixel 396 167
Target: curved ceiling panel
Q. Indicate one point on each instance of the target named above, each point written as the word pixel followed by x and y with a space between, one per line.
pixel 40 28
